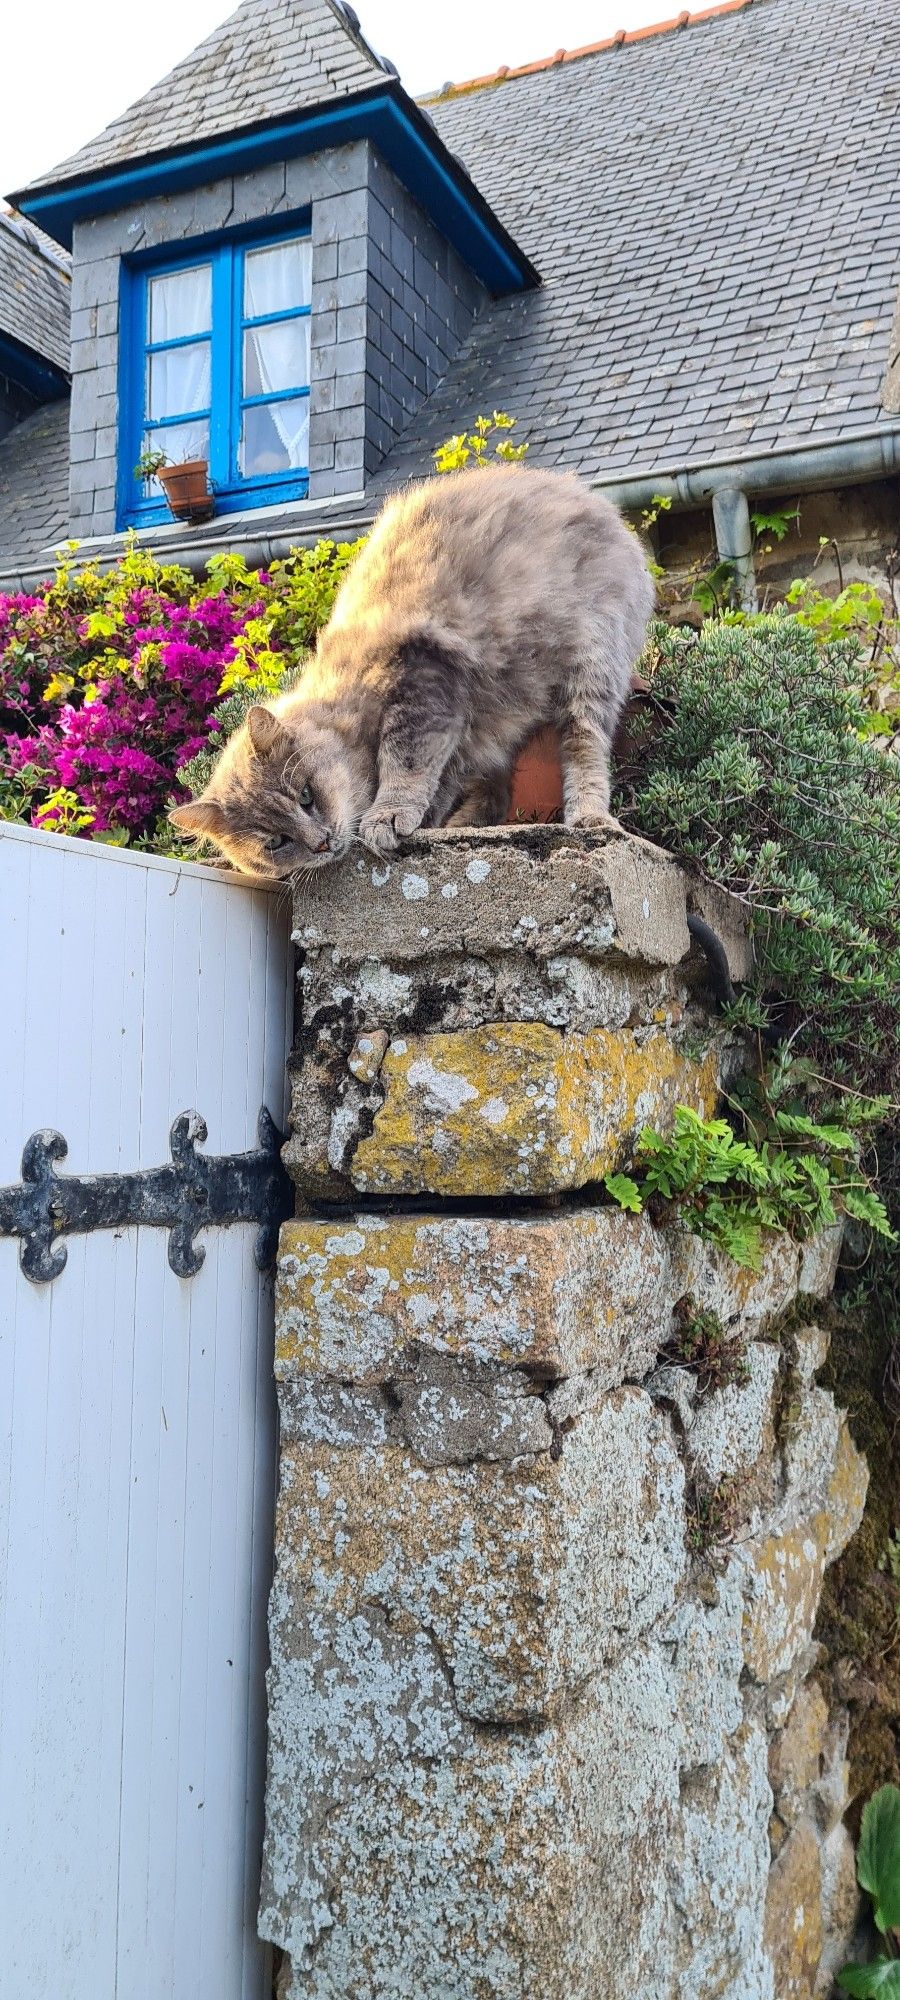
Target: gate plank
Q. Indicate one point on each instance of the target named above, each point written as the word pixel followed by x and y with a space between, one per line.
pixel 136 1439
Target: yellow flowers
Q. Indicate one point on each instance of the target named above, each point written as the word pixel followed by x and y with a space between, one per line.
pixel 471 447
pixel 255 665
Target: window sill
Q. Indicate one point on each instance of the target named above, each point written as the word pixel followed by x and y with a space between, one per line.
pixel 259 533
pixel 234 501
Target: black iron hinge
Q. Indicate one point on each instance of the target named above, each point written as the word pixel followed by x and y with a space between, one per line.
pixel 192 1192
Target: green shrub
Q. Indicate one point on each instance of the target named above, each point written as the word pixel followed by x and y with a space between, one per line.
pixel 729 1191
pixel 756 767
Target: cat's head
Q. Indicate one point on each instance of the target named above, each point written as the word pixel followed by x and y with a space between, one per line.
pixel 286 796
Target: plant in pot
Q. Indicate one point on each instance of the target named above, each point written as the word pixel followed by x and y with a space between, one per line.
pixel 186 485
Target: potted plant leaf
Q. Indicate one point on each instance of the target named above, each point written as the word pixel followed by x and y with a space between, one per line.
pixel 186 486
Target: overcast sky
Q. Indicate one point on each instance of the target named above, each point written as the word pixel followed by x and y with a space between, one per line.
pixel 64 72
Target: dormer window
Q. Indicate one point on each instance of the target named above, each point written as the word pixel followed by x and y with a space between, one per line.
pixel 216 365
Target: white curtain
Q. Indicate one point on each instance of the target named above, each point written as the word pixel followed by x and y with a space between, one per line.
pixel 277 357
pixel 179 378
pixel 278 280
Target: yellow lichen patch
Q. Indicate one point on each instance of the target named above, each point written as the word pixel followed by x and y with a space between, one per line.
pixel 587 1289
pixel 784 1583
pixel 519 1108
pixel 793 1927
pixel 846 1499
pixel 797 1756
pixel 530 1574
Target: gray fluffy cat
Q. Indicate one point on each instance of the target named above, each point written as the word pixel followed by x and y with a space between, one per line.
pixel 484 606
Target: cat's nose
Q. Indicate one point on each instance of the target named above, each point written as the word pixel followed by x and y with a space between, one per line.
pixel 324 846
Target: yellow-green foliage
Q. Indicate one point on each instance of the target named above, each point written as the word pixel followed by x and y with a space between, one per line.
pixel 472 448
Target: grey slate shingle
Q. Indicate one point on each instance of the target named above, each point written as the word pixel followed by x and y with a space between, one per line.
pixel 269 59
pixel 724 195
pixel 34 487
pixel 35 290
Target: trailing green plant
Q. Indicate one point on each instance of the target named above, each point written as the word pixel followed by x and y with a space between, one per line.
pixel 878 1871
pixel 702 1344
pixel 713 589
pixel 730 1191
pixel 889 1560
pixel 774 521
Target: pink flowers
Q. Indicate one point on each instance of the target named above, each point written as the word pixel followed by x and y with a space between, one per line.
pixel 109 682
pixel 111 715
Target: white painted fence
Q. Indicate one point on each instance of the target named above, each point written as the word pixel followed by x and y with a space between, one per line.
pixel 136 1439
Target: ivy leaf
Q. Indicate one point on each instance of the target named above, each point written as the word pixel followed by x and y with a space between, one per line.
pixel 625 1191
pixel 878 1861
pixel 881 1977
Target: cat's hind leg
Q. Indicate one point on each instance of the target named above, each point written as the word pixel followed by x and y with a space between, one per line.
pixel 420 732
pixel 595 697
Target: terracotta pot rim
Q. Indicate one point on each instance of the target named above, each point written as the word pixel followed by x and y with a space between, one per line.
pixel 188 469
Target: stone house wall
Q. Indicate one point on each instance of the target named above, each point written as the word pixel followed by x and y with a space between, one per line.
pixel 862 521
pixel 544 1714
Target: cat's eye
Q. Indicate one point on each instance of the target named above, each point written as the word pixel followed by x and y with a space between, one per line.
pixel 276 841
pixel 306 796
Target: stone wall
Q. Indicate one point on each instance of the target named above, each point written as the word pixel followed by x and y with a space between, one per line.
pixel 844 535
pixel 544 1714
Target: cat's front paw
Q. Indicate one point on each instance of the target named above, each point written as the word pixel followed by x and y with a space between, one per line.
pixel 604 822
pixel 384 826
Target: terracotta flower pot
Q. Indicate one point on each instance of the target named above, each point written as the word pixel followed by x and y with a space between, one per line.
pixel 537 785
pixel 536 791
pixel 186 488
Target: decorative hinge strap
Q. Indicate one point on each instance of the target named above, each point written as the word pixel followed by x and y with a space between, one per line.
pixel 192 1192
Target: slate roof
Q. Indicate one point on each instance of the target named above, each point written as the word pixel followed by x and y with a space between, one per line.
pixel 713 211
pixel 35 290
pixel 34 487
pixel 270 59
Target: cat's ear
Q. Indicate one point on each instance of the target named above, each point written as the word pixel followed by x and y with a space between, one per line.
pixel 201 817
pixel 264 730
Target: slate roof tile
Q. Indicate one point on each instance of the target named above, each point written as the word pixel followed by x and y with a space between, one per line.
pixel 35 290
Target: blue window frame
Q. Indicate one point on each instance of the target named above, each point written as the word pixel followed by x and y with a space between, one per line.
pixel 215 364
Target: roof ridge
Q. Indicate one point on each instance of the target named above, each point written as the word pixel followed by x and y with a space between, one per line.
pixel 342 67
pixel 349 20
pixel 622 39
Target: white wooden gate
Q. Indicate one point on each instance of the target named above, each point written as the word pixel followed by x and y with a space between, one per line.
pixel 136 1439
